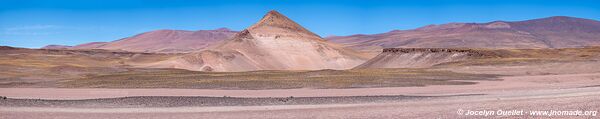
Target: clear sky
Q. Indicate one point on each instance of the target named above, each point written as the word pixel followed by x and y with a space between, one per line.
pixel 36 23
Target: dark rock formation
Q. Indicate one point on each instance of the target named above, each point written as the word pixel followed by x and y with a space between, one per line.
pixel 470 52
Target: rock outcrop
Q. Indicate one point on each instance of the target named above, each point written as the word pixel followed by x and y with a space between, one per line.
pixel 422 57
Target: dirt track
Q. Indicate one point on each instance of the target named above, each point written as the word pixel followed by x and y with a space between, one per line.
pixel 529 93
pixel 585 99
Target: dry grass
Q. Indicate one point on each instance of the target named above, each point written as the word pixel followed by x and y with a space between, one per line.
pixel 102 69
pixel 171 78
pixel 35 68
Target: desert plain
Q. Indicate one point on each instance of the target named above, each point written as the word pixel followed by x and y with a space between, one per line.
pixel 563 79
pixel 278 69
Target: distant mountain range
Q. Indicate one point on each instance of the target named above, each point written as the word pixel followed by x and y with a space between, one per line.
pixel 277 43
pixel 551 32
pixel 273 43
pixel 164 41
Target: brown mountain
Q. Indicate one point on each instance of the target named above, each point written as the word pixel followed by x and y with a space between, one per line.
pixel 56 47
pixel 273 43
pixel 552 32
pixel 164 41
pixel 91 45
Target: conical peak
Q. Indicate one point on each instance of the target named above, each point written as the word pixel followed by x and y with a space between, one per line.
pixel 274 13
pixel 274 19
pixel 276 23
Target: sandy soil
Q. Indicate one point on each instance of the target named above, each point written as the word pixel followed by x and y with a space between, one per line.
pixel 585 99
pixel 483 87
pixel 528 93
pixel 575 67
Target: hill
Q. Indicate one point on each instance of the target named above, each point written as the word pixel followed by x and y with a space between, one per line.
pixel 551 32
pixel 274 43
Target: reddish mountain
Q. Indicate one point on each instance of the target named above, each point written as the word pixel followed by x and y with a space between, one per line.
pixel 552 32
pixel 92 45
pixel 56 47
pixel 164 41
pixel 170 41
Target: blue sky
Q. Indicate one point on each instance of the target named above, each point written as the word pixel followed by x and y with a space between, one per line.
pixel 36 23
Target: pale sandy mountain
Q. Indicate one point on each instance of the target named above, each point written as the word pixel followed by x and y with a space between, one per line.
pixel 552 32
pixel 273 43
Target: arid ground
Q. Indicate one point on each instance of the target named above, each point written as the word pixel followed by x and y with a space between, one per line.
pixel 529 93
pixel 107 84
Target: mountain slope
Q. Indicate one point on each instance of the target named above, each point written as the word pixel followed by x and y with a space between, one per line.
pixel 56 47
pixel 162 41
pixel 273 43
pixel 170 41
pixel 561 31
pixel 420 57
pixel 91 45
pixel 552 32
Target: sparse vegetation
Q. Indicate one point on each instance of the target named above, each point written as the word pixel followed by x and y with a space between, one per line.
pixel 74 69
pixel 276 79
